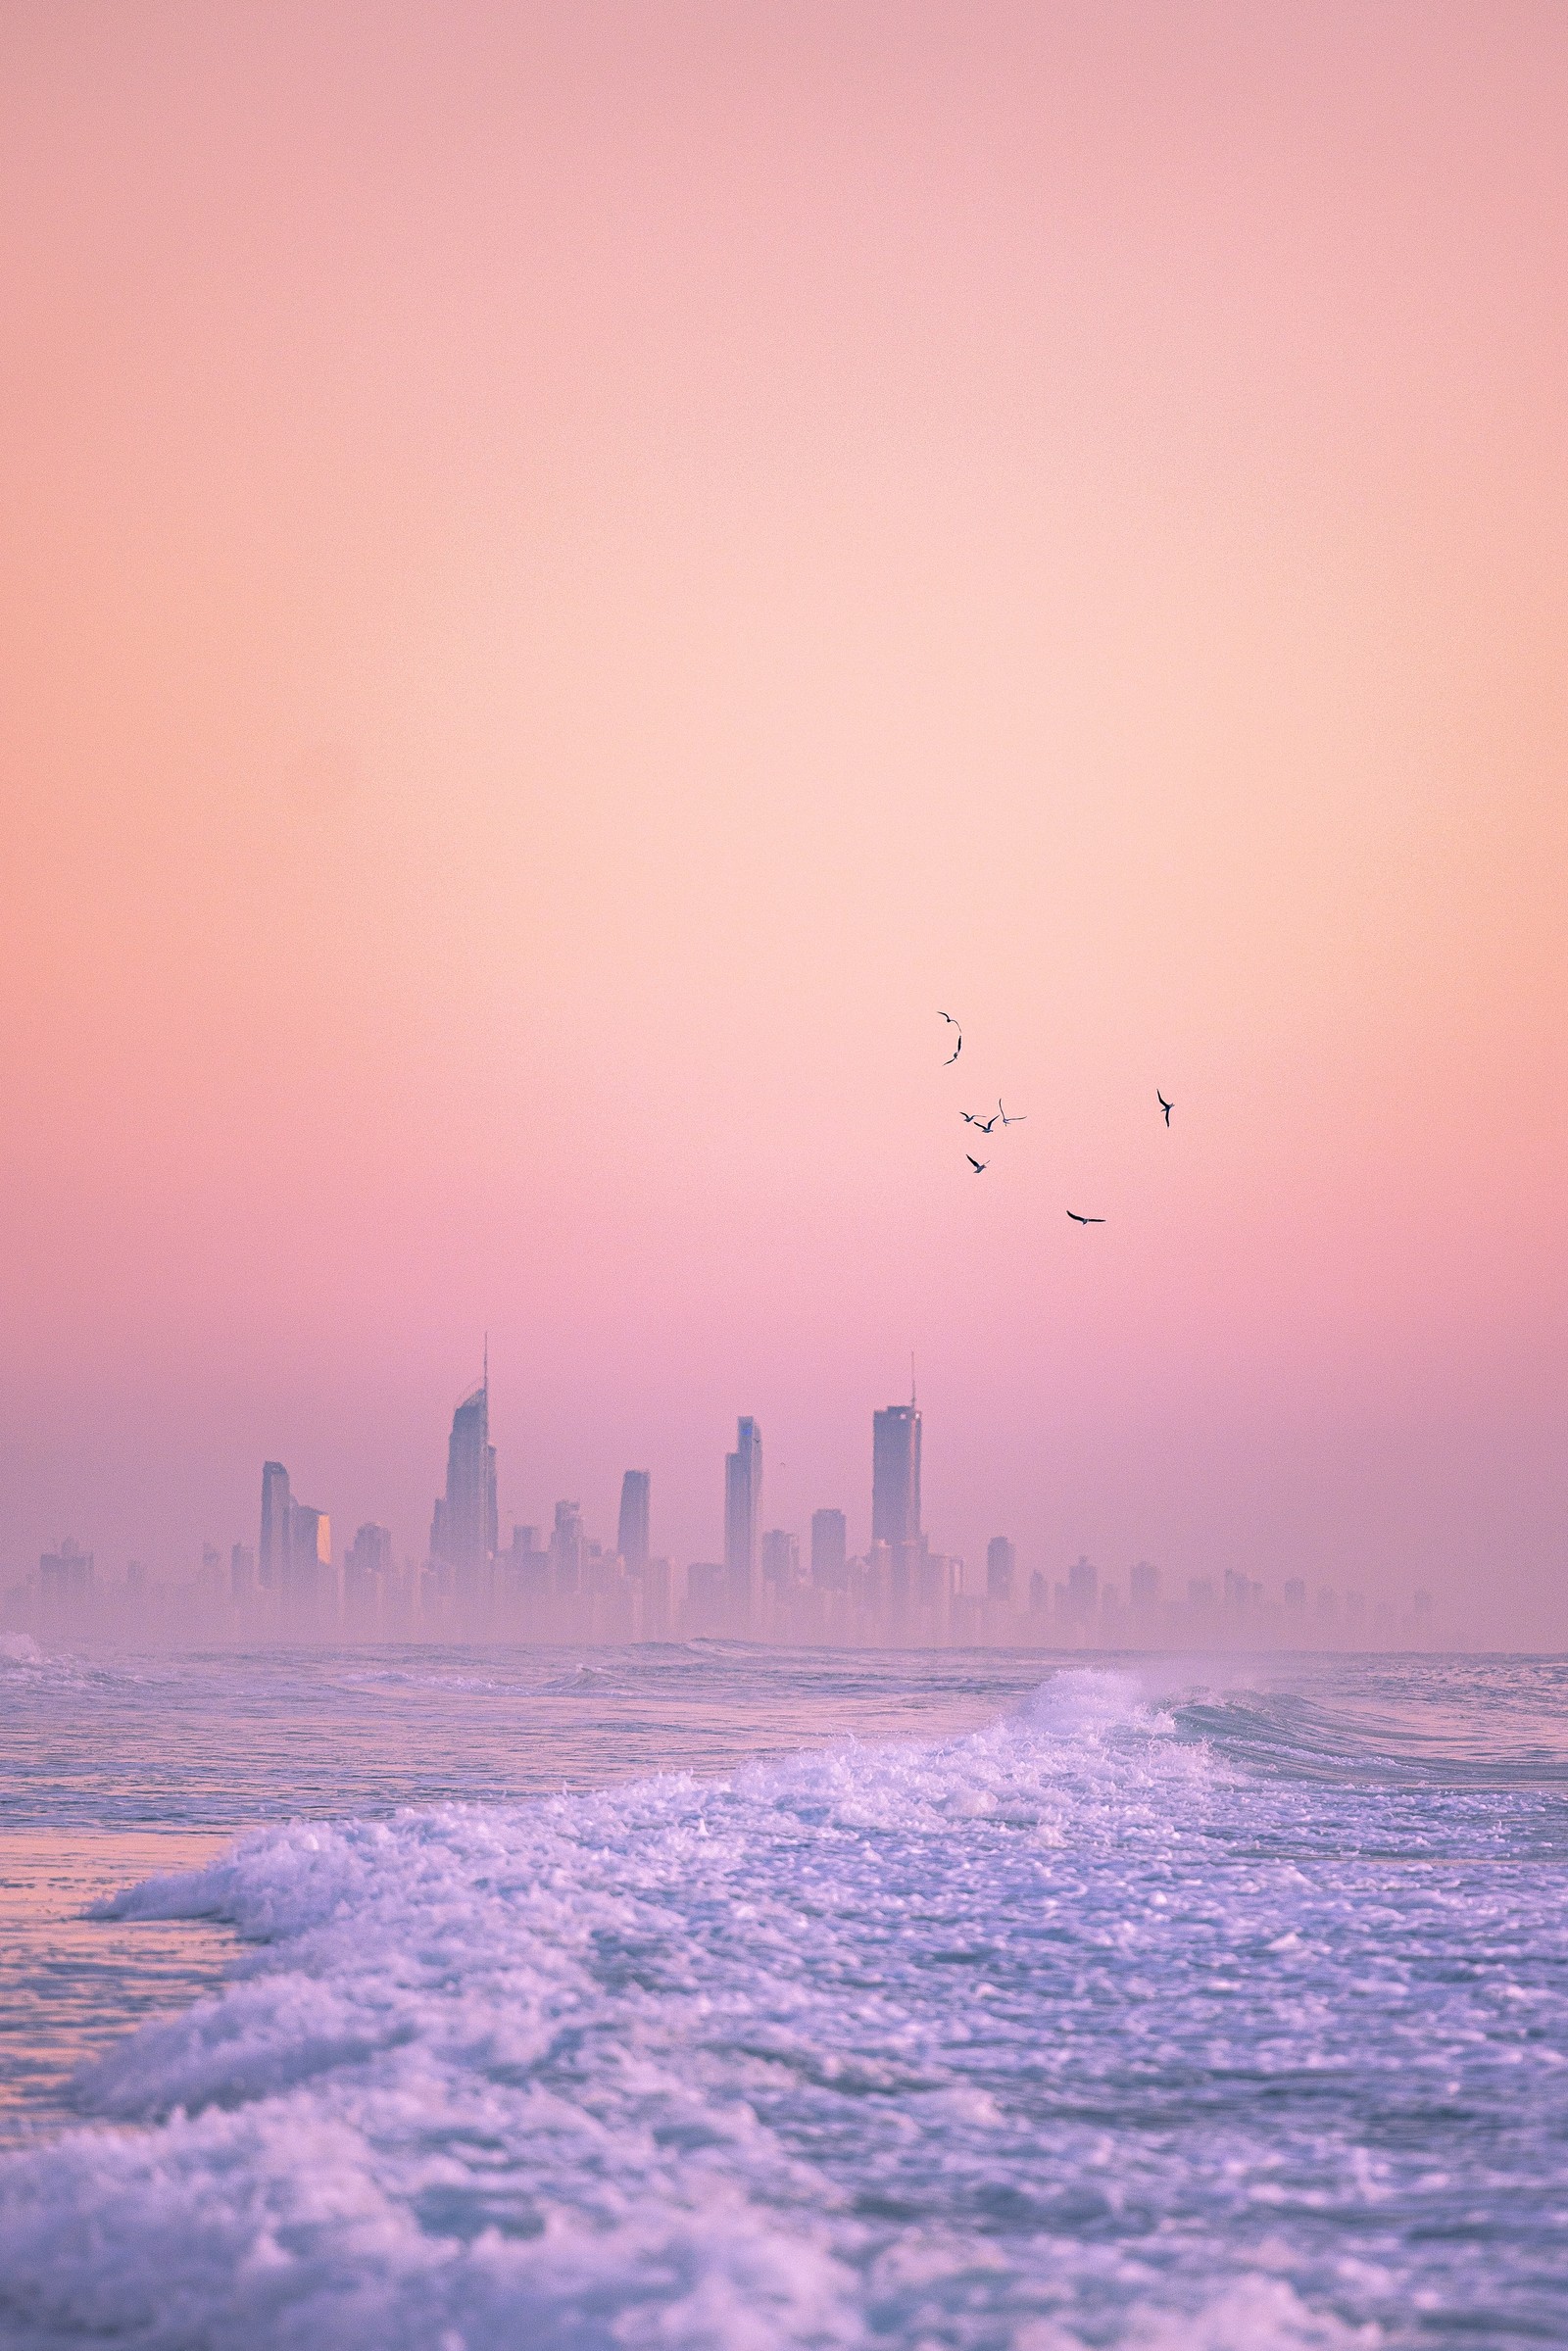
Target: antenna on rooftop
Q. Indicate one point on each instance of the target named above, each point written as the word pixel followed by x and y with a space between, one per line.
pixel 911 1380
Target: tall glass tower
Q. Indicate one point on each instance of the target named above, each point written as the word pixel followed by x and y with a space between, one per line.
pixel 829 1549
pixel 631 1540
pixel 896 1475
pixel 464 1530
pixel 272 1560
pixel 743 1512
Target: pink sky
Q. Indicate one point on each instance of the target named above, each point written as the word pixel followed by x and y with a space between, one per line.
pixel 569 575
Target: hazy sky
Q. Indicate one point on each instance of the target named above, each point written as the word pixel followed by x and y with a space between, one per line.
pixel 569 575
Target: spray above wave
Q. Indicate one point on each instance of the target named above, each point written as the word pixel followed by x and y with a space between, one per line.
pixel 1019 2037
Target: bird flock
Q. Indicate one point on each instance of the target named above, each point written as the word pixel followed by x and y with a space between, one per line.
pixel 999 1116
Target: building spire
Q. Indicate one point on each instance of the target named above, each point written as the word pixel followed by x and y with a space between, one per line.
pixel 912 1396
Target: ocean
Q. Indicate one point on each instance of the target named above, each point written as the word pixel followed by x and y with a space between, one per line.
pixel 438 2000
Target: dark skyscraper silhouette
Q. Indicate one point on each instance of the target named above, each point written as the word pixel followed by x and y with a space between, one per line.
pixel 1143 1586
pixel 1083 1590
pixel 631 1538
pixel 272 1557
pixel 567 1547
pixel 366 1569
pixel 781 1559
pixel 66 1575
pixel 895 1476
pixel 308 1579
pixel 1001 1561
pixel 743 1510
pixel 462 1531
pixel 830 1546
pixel 295 1558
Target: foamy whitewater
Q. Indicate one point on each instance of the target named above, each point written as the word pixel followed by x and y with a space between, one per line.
pixel 1134 2016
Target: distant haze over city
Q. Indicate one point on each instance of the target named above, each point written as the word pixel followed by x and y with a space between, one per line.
pixel 565 595
pixel 561 1581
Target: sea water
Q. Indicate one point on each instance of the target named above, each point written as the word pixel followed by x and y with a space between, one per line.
pixel 702 1996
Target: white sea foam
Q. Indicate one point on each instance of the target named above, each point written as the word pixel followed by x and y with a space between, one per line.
pixel 1035 2037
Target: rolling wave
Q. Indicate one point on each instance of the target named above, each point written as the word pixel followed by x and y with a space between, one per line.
pixel 1100 2024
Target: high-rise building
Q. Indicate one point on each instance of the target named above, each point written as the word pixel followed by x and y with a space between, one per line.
pixel 307 1569
pixel 743 1510
pixel 656 1594
pixel 1002 1563
pixel 463 1528
pixel 830 1544
pixel 1083 1590
pixel 631 1538
pixel 525 1569
pixel 1143 1584
pixel 66 1574
pixel 567 1547
pixel 272 1557
pixel 781 1559
pixel 707 1581
pixel 895 1476
pixel 241 1571
pixel 366 1569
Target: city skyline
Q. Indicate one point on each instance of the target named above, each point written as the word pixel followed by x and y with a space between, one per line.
pixel 899 1589
pixel 556 680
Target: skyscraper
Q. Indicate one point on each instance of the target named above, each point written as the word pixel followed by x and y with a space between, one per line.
pixel 66 1574
pixel 1083 1590
pixel 1143 1585
pixel 308 1580
pixel 462 1529
pixel 743 1509
pixel 829 1551
pixel 1002 1559
pixel 366 1570
pixel 895 1476
pixel 631 1540
pixel 567 1547
pixel 272 1560
pixel 781 1559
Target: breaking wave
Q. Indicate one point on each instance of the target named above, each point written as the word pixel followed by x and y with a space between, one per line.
pixel 1065 2031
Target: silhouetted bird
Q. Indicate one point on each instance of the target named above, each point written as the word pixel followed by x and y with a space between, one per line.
pixel 958 1048
pixel 979 1165
pixel 1166 1107
pixel 1020 1117
pixel 1077 1220
pixel 971 1119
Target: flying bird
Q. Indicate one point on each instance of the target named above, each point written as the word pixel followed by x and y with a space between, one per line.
pixel 1166 1107
pixel 958 1048
pixel 1020 1117
pixel 1077 1220
pixel 984 1124
pixel 979 1165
